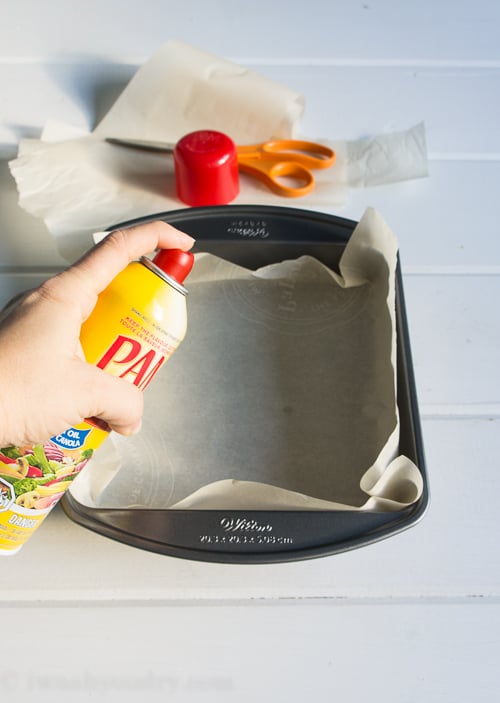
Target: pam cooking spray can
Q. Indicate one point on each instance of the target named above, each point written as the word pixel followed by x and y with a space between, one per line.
pixel 138 322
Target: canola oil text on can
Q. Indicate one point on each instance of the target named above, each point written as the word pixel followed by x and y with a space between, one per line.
pixel 138 322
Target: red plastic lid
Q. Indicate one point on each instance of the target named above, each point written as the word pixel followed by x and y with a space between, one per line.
pixel 175 263
pixel 206 168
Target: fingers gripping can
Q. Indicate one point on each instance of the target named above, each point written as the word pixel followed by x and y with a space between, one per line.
pixel 138 322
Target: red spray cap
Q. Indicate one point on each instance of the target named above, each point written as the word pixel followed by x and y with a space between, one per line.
pixel 206 168
pixel 175 263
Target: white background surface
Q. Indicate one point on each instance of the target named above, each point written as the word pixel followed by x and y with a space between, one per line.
pixel 413 618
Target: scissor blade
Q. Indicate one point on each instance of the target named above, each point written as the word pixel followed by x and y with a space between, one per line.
pixel 144 145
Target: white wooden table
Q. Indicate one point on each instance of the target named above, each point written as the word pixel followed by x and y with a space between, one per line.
pixel 412 618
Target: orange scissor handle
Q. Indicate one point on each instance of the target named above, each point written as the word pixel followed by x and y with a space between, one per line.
pixel 285 158
pixel 309 154
pixel 270 173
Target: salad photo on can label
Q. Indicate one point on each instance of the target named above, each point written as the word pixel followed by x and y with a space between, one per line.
pixel 40 474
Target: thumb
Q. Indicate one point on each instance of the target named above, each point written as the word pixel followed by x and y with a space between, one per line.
pixel 119 403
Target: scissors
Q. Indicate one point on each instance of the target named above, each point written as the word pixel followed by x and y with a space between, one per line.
pixel 269 161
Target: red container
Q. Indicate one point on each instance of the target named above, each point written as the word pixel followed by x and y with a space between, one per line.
pixel 206 168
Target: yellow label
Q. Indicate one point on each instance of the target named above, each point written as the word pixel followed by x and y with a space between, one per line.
pixel 33 479
pixel 16 527
pixel 137 324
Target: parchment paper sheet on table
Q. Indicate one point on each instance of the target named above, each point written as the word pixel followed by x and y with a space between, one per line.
pixel 235 420
pixel 79 184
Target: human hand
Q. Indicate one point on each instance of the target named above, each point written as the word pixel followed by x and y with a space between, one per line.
pixel 46 385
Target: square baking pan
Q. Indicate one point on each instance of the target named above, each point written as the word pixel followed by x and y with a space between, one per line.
pixel 253 236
